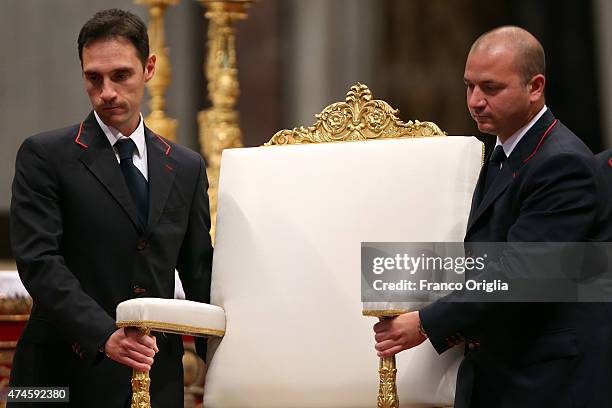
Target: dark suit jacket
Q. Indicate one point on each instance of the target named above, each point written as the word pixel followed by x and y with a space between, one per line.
pixel 81 250
pixel 605 162
pixel 533 355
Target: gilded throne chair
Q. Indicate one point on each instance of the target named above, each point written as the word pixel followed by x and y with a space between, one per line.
pixel 286 271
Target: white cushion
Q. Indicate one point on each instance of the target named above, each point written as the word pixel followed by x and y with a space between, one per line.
pixel 11 286
pixel 172 316
pixel 286 267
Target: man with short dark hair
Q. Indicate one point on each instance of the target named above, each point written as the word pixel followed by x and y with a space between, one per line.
pixel 104 211
pixel 540 184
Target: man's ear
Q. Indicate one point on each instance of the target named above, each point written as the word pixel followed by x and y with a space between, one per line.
pixel 536 87
pixel 149 68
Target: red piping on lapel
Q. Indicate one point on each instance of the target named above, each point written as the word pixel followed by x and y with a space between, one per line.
pixel 610 161
pixel 541 141
pixel 77 141
pixel 164 142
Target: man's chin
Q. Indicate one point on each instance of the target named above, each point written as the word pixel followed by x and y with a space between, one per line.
pixel 110 119
pixel 486 128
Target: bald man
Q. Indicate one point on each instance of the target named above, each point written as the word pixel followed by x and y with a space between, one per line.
pixel 539 185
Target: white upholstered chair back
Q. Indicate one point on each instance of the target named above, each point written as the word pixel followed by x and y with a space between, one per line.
pixel 287 267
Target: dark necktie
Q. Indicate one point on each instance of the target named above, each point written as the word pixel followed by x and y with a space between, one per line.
pixel 493 166
pixel 136 182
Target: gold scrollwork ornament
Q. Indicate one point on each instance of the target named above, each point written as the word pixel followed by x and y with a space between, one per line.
pixel 359 117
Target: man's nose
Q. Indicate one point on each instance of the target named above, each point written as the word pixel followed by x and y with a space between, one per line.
pixel 107 93
pixel 476 99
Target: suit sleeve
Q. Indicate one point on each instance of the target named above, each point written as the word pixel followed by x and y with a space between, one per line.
pixel 195 257
pixel 558 204
pixel 36 237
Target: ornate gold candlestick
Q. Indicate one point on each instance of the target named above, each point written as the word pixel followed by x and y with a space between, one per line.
pixel 219 127
pixel 157 119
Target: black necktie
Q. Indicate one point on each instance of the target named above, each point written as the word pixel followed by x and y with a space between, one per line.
pixel 136 182
pixel 493 167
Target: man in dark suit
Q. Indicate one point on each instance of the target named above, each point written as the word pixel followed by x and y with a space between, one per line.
pixel 104 211
pixel 539 185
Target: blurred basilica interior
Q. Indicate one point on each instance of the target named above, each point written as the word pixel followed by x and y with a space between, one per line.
pixel 294 57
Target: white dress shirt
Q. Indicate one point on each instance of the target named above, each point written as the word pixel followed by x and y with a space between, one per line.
pixel 140 153
pixel 513 140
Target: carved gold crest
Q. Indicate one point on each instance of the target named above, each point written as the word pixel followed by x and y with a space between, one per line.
pixel 359 117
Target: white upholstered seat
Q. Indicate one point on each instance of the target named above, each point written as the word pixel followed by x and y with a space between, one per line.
pixel 172 316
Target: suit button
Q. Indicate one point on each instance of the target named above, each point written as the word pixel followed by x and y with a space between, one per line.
pixel 138 290
pixel 142 244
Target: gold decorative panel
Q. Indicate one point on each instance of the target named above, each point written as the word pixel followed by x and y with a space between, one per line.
pixel 359 117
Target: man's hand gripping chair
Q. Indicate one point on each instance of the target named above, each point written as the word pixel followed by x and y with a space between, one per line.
pixel 167 316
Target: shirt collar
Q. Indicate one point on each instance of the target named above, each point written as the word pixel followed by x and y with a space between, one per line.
pixel 113 135
pixel 513 140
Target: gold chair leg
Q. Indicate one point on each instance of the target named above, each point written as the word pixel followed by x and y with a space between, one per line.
pixel 140 389
pixel 387 388
pixel 140 385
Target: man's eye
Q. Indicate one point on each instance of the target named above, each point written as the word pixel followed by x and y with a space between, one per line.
pixel 93 78
pixel 121 76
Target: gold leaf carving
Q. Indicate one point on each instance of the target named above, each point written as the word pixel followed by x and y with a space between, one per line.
pixel 140 390
pixel 359 117
pixel 387 391
pixel 140 384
